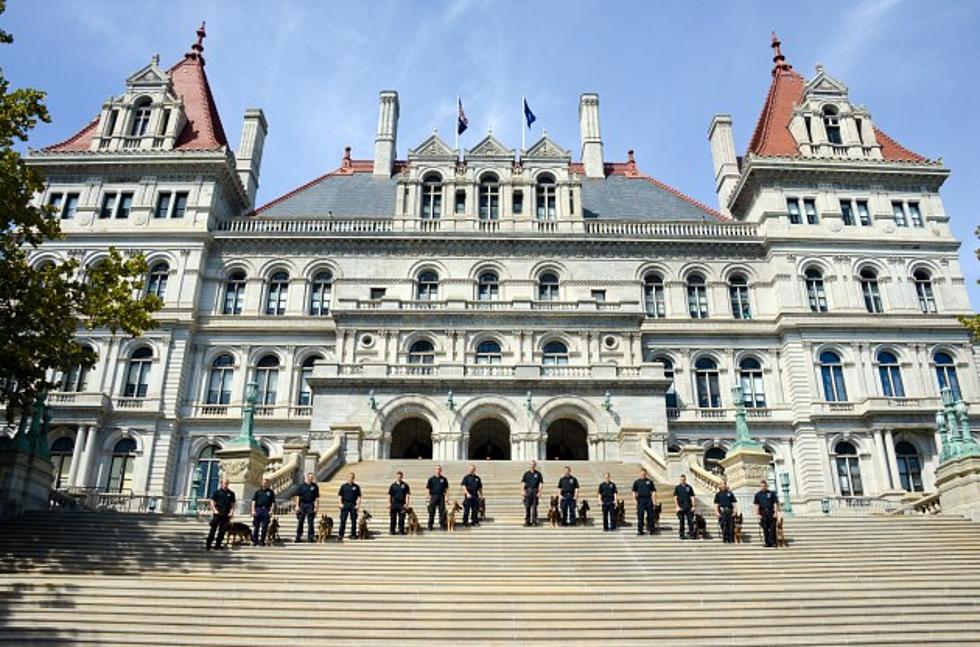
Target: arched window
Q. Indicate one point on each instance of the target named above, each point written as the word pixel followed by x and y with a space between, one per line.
pixel 891 375
pixel 548 287
pixel 427 288
pixel 831 123
pixel 545 198
pixel 706 379
pixel 848 470
pixel 670 395
pixel 61 452
pixel 141 118
pixel 121 467
pixel 320 294
pixel 815 294
pixel 750 377
pixel 220 380
pixel 210 468
pixel 487 286
pixel 431 196
pixel 138 373
pixel 653 295
pixel 278 291
pixel 712 460
pixel 489 197
pixel 234 294
pixel 305 397
pixel 554 353
pixel 157 281
pixel 923 290
pixel 267 377
pixel 488 352
pixel 738 291
pixel 946 374
pixel 422 352
pixel 697 297
pixel 909 469
pixel 870 291
pixel 832 376
pixel 75 380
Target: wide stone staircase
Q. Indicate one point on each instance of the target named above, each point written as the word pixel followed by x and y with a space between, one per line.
pixel 111 578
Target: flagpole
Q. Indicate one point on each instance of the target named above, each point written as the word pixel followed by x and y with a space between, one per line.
pixel 523 133
pixel 456 125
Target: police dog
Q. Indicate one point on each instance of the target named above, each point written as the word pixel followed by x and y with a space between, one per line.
pixel 239 533
pixel 620 513
pixel 657 509
pixel 482 511
pixel 363 532
pixel 737 521
pixel 451 517
pixel 324 528
pixel 414 527
pixel 553 516
pixel 272 537
pixel 780 534
pixel 583 512
pixel 700 527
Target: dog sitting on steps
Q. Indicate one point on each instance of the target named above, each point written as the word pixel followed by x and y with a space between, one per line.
pixel 583 512
pixel 700 527
pixel 737 521
pixel 414 527
pixel 620 513
pixel 324 528
pixel 363 532
pixel 780 534
pixel 273 535
pixel 451 517
pixel 553 515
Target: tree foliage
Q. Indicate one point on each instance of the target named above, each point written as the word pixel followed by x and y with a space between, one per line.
pixel 43 305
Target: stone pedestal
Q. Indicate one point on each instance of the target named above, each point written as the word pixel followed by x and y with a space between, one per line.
pixel 25 483
pixel 958 483
pixel 243 466
pixel 745 469
pixel 350 441
pixel 631 443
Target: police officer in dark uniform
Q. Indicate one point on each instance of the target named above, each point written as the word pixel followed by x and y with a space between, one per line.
pixel 531 483
pixel 608 495
pixel 398 499
pixel 472 493
pixel 437 486
pixel 222 510
pixel 685 500
pixel 725 505
pixel 568 493
pixel 263 501
pixel 350 503
pixel 307 507
pixel 767 507
pixel 645 496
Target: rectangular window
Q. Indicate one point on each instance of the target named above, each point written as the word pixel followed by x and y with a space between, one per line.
pixel 71 206
pixel 598 295
pixel 460 206
pixel 108 205
pixel 864 216
pixel 847 212
pixel 915 215
pixel 793 208
pixel 125 205
pixel 180 205
pixel 518 203
pixel 378 293
pixel 898 210
pixel 55 202
pixel 163 205
pixel 810 207
pixel 859 124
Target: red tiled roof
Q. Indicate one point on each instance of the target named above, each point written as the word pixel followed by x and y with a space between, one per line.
pixel 892 150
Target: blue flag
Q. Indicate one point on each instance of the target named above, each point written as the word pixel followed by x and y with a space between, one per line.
pixel 528 115
pixel 461 121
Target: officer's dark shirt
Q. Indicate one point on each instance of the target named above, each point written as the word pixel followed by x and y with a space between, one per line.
pixel 567 486
pixel 349 494
pixel 532 481
pixel 684 494
pixel 308 493
pixel 398 493
pixel 472 483
pixel 644 488
pixel 607 492
pixel 437 486
pixel 766 501
pixel 264 498
pixel 224 500
pixel 725 499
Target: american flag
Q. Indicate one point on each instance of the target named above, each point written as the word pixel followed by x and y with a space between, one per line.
pixel 461 121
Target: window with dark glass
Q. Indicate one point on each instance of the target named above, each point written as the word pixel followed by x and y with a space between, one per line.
pixel 750 379
pixel 832 377
pixel 234 294
pixel 71 206
pixel 121 466
pixel 706 381
pixel 909 467
pixel 915 215
pixel 946 374
pixel 431 196
pixel 653 295
pixel 487 287
pixel 870 291
pixel 61 453
pixel 848 470
pixel 898 212
pixel 738 291
pixel 141 119
pixel 460 206
pixel 815 294
pixel 793 209
pixel 847 212
pixel 427 288
pixel 220 380
pixel 108 205
pixel 489 197
pixel 267 378
pixel 180 205
pixel 163 205
pixel 305 396
pixel 554 353
pixel 518 198
pixel 923 291
pixel 278 292
pixel 488 352
pixel 831 124
pixel 670 395
pixel 545 199
pixel 697 297
pixel 138 373
pixel 422 352
pixel 810 208
pixel 125 205
pixel 320 294
pixel 890 375
pixel 864 215
pixel 210 471
pixel 157 281
pixel 548 287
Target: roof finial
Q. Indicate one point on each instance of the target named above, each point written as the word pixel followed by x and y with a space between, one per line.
pixel 778 57
pixel 198 47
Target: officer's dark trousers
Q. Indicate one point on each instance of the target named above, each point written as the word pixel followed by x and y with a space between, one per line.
pixel 471 509
pixel 440 505
pixel 768 521
pixel 685 514
pixel 608 515
pixel 346 512
pixel 397 514
pixel 219 524
pixel 307 512
pixel 644 508
pixel 727 522
pixel 567 511
pixel 531 508
pixel 260 526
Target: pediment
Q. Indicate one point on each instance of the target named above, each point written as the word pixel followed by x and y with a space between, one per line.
pixel 825 85
pixel 432 147
pixel 490 146
pixel 548 149
pixel 148 76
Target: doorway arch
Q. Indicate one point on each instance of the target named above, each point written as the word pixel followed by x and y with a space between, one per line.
pixel 490 440
pixel 412 438
pixel 567 440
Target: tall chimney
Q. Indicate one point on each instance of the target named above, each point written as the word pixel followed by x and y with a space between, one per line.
pixel 588 120
pixel 384 143
pixel 248 159
pixel 723 156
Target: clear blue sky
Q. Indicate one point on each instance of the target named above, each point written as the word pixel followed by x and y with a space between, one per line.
pixel 661 70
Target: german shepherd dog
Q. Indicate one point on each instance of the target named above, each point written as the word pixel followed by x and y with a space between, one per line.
pixel 553 516
pixel 780 534
pixel 324 528
pixel 363 532
pixel 737 520
pixel 482 511
pixel 272 537
pixel 620 513
pixel 700 527
pixel 583 512
pixel 414 527
pixel 239 533
pixel 657 509
pixel 451 517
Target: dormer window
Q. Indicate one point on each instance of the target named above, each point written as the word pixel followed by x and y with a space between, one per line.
pixel 141 118
pixel 489 197
pixel 431 196
pixel 831 123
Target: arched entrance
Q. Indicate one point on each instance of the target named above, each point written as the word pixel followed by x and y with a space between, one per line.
pixel 568 440
pixel 411 438
pixel 490 440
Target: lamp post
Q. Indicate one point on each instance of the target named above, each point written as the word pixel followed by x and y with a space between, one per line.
pixel 195 485
pixel 743 438
pixel 246 437
pixel 787 504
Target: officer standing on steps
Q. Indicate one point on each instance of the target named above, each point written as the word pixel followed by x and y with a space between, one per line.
pixel 685 501
pixel 263 502
pixel 307 507
pixel 725 505
pixel 645 496
pixel 398 499
pixel 472 493
pixel 531 483
pixel 222 510
pixel 568 493
pixel 767 506
pixel 437 486
pixel 350 503
pixel 608 495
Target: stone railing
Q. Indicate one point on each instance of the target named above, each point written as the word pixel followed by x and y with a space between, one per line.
pixel 846 506
pixel 928 503
pixel 566 371
pixel 234 410
pixel 654 463
pixel 380 370
pixel 704 481
pixel 330 460
pixel 518 305
pixel 284 477
pixel 489 370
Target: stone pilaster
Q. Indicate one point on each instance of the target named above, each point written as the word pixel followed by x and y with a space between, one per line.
pixel 958 484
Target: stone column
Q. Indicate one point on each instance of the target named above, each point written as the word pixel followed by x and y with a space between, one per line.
pixel 76 455
pixel 881 461
pixel 892 459
pixel 88 457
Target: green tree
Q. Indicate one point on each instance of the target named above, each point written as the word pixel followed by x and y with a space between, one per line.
pixel 43 307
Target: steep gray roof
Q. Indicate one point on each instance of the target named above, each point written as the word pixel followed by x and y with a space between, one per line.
pixel 359 194
pixel 622 198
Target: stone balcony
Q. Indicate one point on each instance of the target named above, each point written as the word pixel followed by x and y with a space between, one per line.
pixel 389 306
pixel 683 415
pixel 881 406
pixel 233 410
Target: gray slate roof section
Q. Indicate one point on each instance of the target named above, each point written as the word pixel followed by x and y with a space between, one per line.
pixel 360 194
pixel 622 198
